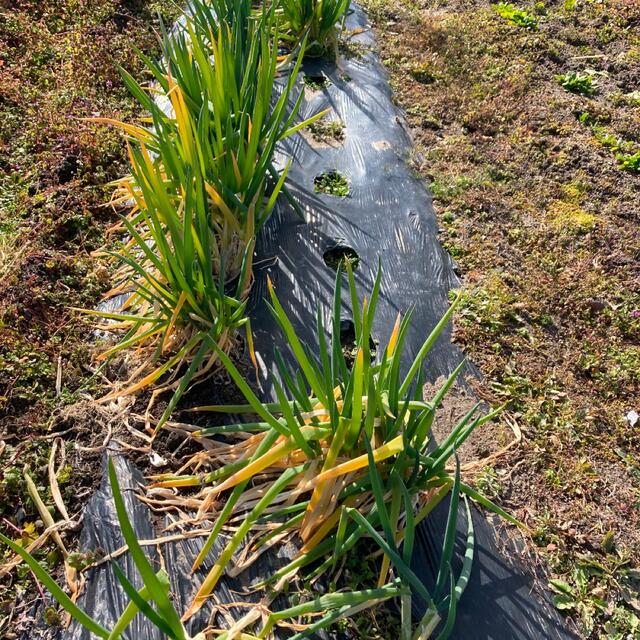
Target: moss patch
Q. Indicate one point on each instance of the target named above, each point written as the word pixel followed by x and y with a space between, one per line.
pixel 567 216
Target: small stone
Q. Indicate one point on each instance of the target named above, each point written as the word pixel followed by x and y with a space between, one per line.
pixel 157 460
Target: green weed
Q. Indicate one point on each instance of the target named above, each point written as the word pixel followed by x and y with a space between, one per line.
pixel 579 598
pixel 579 83
pixel 315 82
pixel 629 162
pixel 488 482
pixel 332 183
pixel 519 17
pixel 325 130
pixel 569 216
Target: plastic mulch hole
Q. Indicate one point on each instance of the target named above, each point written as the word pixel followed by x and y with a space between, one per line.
pixel 332 183
pixel 348 343
pixel 315 82
pixel 337 258
pixel 327 131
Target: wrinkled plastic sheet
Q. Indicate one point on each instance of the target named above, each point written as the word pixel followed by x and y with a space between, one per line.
pixel 387 217
pixel 104 599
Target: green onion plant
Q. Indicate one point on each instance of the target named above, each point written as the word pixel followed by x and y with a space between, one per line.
pixel 202 185
pixel 344 454
pixel 315 20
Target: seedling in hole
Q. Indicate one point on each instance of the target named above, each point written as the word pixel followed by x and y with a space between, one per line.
pixel 331 183
pixel 317 82
pixel 326 130
pixel 338 257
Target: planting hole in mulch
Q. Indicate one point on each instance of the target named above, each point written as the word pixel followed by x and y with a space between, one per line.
pixel 327 131
pixel 337 257
pixel 349 344
pixel 315 82
pixel 332 183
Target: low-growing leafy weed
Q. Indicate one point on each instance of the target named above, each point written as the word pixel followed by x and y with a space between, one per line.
pixel 519 17
pixel 629 161
pixel 332 183
pixel 327 130
pixel 315 82
pixel 579 83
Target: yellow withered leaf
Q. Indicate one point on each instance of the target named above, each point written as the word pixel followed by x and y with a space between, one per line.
pixel 139 133
pixel 387 450
pixel 174 316
pixel 279 451
pixel 393 339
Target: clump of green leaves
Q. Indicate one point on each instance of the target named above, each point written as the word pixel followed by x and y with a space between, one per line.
pixel 579 598
pixel 315 20
pixel 488 482
pixel 315 82
pixel 359 432
pixel 579 83
pixel 629 161
pixel 332 183
pixel 623 149
pixel 519 17
pixel 326 130
pixel 203 184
